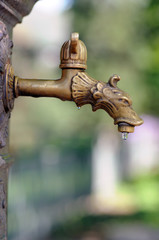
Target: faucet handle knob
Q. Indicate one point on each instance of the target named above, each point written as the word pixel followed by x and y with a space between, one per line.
pixel 74 43
pixel 73 53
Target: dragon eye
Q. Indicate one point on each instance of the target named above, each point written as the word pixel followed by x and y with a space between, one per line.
pixel 125 101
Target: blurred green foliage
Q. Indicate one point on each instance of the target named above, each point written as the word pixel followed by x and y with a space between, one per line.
pixel 76 227
pixel 110 32
pixel 123 36
pixel 151 41
pixel 144 190
pixel 46 175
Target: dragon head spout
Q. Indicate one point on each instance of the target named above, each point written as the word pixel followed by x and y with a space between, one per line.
pixel 116 102
pixel 107 96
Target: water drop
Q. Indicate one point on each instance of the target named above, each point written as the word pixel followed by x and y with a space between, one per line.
pixel 78 108
pixel 124 135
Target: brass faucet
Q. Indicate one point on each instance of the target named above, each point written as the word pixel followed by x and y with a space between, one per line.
pixel 76 85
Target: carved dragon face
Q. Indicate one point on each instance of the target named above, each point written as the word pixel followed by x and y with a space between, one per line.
pixel 107 96
pixel 116 102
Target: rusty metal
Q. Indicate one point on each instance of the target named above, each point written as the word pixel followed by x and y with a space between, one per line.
pixel 76 85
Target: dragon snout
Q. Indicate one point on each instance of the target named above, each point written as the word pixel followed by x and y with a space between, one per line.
pixel 127 119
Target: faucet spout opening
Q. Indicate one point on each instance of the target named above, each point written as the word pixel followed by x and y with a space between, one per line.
pixel 125 128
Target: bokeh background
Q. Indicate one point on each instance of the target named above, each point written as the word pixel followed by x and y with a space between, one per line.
pixel 74 178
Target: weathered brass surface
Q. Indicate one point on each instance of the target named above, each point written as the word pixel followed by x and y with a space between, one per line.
pixel 76 85
pixel 106 96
